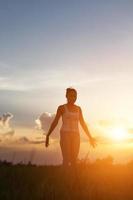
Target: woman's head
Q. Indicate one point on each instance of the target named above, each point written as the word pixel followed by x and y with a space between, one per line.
pixel 71 95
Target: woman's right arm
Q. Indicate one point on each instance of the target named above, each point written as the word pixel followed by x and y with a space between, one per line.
pixel 53 125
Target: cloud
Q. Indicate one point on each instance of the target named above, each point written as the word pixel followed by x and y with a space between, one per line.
pixel 25 140
pixel 6 130
pixel 22 140
pixel 15 79
pixel 44 121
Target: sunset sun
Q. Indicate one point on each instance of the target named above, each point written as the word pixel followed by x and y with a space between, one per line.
pixel 118 134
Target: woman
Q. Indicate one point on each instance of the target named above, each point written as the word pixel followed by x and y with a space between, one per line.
pixel 69 133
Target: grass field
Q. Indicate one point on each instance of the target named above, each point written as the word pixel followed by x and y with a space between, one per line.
pixel 101 180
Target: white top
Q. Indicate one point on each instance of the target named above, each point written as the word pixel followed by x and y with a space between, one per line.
pixel 70 121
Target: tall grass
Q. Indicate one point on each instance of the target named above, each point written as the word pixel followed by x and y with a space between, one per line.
pixel 101 180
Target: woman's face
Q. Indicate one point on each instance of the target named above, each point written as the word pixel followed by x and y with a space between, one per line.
pixel 71 97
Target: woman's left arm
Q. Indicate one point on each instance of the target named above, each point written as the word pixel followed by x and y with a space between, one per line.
pixel 85 128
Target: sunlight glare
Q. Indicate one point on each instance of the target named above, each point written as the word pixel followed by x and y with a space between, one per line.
pixel 118 133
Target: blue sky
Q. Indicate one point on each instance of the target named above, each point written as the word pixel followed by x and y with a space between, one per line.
pixel 46 46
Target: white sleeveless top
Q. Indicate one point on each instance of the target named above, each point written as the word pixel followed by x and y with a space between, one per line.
pixel 70 121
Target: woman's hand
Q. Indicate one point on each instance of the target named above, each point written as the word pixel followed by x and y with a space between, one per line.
pixel 47 141
pixel 93 142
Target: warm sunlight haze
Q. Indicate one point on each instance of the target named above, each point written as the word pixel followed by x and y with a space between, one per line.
pixel 118 134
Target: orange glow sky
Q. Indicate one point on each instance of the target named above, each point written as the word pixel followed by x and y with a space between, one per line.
pixel 47 47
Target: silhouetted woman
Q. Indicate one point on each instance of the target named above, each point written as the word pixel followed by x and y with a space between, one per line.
pixel 69 133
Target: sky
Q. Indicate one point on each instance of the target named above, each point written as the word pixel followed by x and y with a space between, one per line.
pixel 47 46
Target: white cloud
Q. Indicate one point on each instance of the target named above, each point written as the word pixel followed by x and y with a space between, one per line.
pixel 44 121
pixel 6 130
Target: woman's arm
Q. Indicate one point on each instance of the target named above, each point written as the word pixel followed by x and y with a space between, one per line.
pixel 53 125
pixel 85 128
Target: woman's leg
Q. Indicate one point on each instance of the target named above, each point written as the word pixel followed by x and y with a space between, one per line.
pixel 65 148
pixel 75 145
